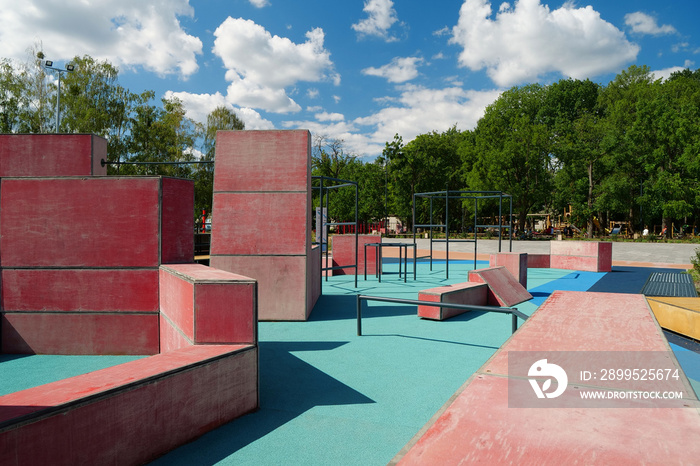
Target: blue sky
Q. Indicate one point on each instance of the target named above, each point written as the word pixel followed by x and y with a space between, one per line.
pixel 357 70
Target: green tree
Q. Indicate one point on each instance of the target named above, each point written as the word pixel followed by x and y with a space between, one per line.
pixel 92 101
pixel 512 146
pixel 576 123
pixel 25 95
pixel 665 133
pixel 620 99
pixel 220 119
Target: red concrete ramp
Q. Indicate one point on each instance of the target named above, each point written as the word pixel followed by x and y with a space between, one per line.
pixel 488 422
pixel 504 288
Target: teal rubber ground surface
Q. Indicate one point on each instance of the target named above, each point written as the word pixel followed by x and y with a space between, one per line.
pixel 22 371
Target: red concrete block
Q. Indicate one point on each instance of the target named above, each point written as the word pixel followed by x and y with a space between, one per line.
pixel 504 289
pixel 260 223
pixel 538 261
pixel 177 240
pixel 79 333
pixel 282 283
pixel 111 290
pixel 591 256
pixel 515 262
pixel 344 253
pixel 47 155
pixel 209 305
pixel 136 411
pixel 80 222
pixel 459 293
pixel 263 161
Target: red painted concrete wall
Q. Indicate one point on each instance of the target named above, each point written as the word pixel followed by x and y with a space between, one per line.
pixel 80 257
pixel 344 253
pixel 515 262
pixel 261 222
pixel 538 261
pixel 131 413
pixel 590 256
pixel 79 333
pixel 177 221
pixel 282 283
pixel 52 155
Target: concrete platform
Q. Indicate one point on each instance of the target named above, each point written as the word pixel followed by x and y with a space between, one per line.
pixel 481 425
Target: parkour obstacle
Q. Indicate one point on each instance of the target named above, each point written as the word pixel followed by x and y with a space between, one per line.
pixel 94 264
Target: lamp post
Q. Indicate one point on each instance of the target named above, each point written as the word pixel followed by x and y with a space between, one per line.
pixel 49 65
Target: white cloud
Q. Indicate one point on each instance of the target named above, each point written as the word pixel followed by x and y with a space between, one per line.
pixel 642 23
pixel 325 116
pixel 528 40
pixel 261 66
pixel 421 110
pixel 382 16
pixel 418 110
pixel 259 3
pixel 129 33
pixel 198 106
pixel 666 72
pixel 398 71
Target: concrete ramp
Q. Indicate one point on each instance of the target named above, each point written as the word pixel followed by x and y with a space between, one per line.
pixel 504 288
pixel 489 421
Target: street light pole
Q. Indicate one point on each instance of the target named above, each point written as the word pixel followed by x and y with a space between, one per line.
pixel 49 65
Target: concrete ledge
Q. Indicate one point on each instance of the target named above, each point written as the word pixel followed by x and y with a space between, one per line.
pixel 459 293
pixel 131 413
pixel 479 426
pixel 589 256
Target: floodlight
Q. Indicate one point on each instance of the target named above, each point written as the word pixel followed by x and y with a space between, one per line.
pixel 70 67
pixel 48 63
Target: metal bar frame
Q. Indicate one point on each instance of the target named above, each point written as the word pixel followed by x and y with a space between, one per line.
pixel 476 195
pixel 513 311
pixel 324 227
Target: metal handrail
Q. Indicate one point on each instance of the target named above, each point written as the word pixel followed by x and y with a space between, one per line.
pixel 514 312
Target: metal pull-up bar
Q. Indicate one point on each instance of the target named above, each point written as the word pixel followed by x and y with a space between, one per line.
pixel 514 312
